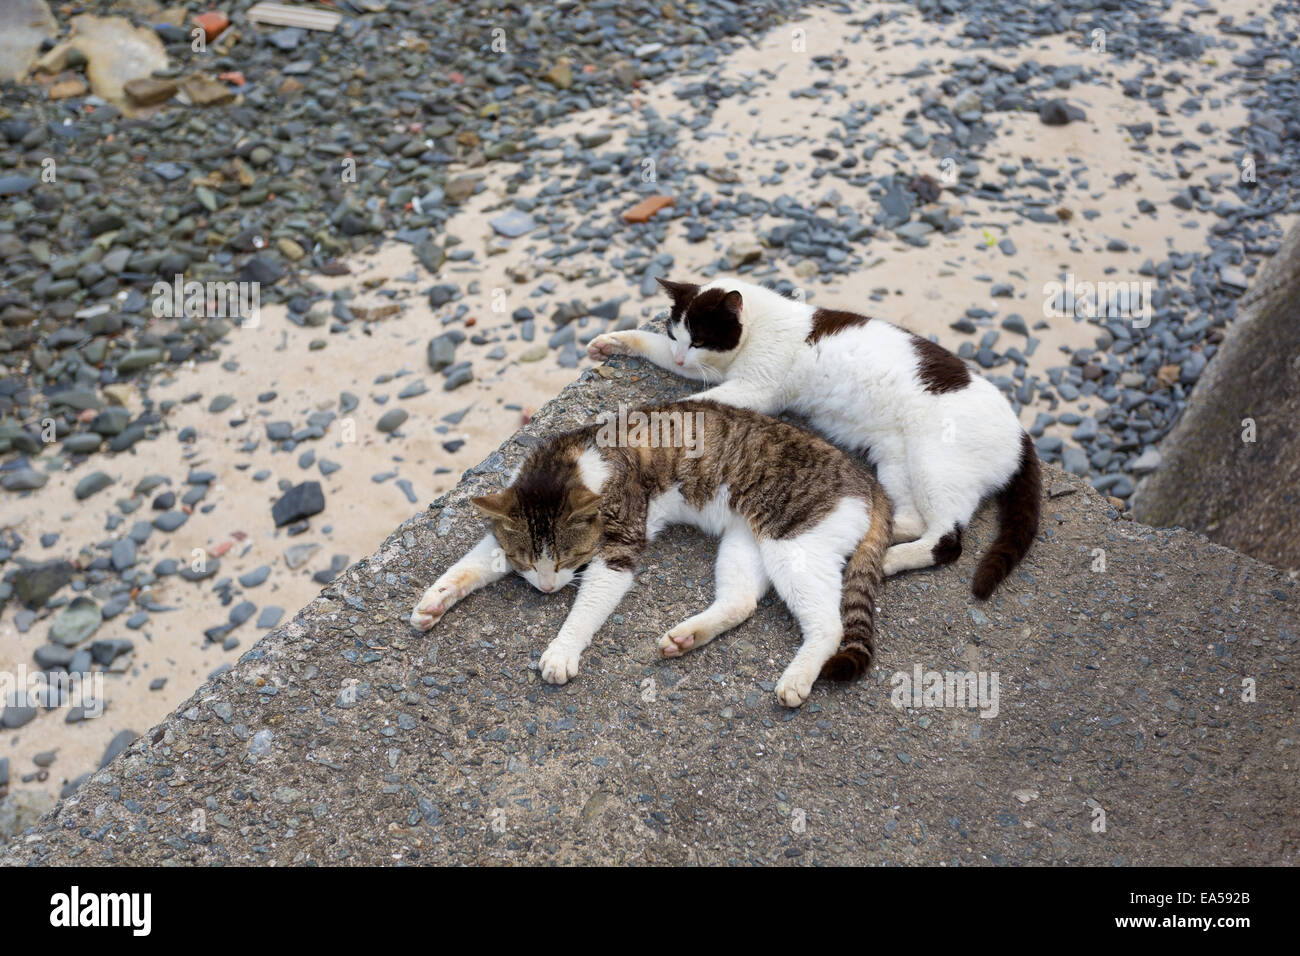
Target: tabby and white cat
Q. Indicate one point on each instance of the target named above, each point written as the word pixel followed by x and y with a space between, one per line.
pixel 941 439
pixel 791 510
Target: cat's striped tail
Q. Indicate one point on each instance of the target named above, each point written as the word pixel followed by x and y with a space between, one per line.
pixel 862 577
pixel 1019 505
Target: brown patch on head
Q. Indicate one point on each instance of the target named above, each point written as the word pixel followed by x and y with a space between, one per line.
pixel 678 290
pixel 578 531
pixel 828 322
pixel 681 293
pixel 939 370
pixel 581 502
pixel 713 320
pixel 498 506
pixel 547 511
pixel 509 526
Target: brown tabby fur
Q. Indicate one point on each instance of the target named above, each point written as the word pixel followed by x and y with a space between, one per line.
pixel 781 479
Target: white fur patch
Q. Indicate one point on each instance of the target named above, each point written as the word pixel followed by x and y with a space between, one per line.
pixel 593 470
pixel 671 508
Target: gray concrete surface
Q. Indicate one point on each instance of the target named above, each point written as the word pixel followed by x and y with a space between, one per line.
pixel 1120 692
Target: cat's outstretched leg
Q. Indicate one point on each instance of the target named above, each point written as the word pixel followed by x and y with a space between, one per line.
pixel 926 551
pixel 601 589
pixel 651 345
pixel 486 562
pixel 739 580
pixel 817 609
pixel 807 571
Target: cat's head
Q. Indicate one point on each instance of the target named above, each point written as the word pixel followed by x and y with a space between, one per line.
pixel 705 325
pixel 547 523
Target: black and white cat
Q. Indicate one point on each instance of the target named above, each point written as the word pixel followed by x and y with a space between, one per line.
pixel 941 439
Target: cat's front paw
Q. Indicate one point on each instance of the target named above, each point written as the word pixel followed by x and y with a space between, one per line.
pixel 559 663
pixel 611 343
pixel 436 601
pixel 795 685
pixel 431 607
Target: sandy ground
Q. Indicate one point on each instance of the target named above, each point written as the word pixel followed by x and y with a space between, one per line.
pixel 923 289
pixel 358 513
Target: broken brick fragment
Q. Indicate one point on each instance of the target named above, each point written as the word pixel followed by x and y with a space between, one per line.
pixel 213 23
pixel 646 208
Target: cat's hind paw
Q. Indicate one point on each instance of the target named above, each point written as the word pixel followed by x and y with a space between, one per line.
pixel 670 647
pixel 907 556
pixel 559 664
pixel 795 686
pixel 684 637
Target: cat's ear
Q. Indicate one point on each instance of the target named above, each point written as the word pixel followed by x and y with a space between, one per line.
pixel 732 303
pixel 499 505
pixel 680 291
pixel 582 503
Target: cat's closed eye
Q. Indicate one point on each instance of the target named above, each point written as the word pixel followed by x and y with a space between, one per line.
pixel 517 547
pixel 691 341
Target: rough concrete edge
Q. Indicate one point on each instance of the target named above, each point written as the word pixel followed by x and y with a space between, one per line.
pixel 1185 447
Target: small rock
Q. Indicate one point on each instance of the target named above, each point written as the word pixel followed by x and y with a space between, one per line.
pixel 297 555
pixel 742 253
pixel 300 501
pixel 391 420
pixel 24 479
pixel 92 483
pixel 513 223
pixel 1058 112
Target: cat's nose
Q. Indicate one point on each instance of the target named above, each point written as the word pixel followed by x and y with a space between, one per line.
pixel 679 359
pixel 546 588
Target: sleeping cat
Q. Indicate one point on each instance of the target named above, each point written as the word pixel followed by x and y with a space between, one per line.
pixel 941 439
pixel 790 508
